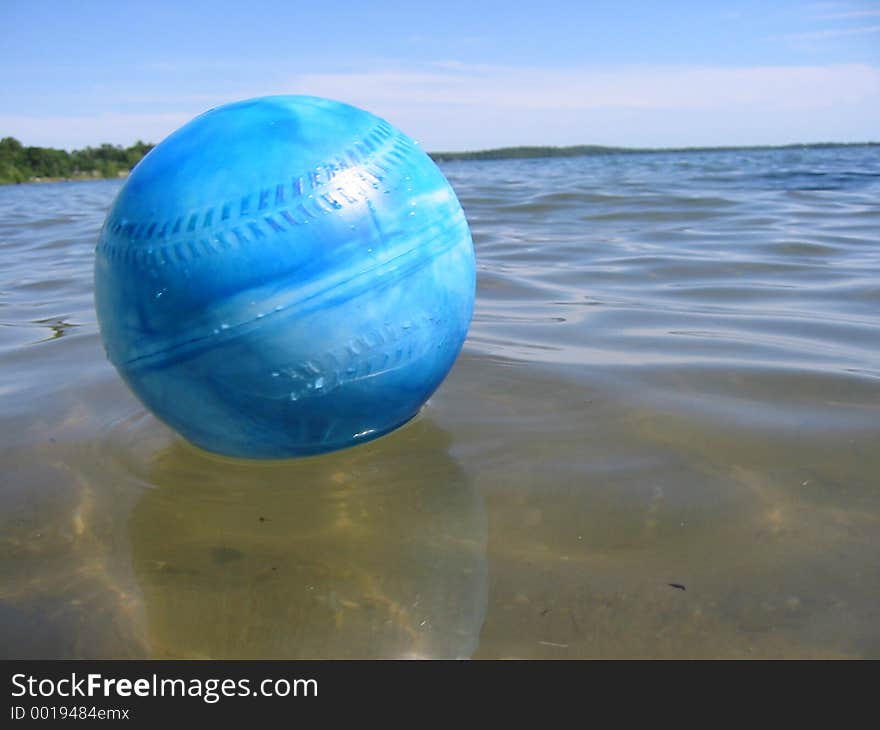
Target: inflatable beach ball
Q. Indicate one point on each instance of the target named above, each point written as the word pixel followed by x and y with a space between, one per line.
pixel 284 276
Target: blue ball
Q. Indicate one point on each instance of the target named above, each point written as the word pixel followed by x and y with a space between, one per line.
pixel 284 276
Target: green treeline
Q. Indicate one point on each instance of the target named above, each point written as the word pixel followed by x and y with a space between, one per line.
pixel 20 164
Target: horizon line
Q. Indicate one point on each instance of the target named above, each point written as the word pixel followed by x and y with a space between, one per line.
pixel 551 150
pixel 511 152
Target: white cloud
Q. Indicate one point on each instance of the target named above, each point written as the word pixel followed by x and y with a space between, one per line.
pixel 450 105
pixel 465 107
pixel 78 131
pixel 850 14
pixel 830 33
pixel 689 88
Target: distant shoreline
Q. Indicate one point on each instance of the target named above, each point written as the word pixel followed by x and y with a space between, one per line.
pixel 526 152
pixel 71 178
pixel 116 168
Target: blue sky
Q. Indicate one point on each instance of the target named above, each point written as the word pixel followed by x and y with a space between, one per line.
pixel 453 74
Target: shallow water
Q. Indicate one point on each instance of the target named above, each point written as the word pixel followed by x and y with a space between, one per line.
pixel 661 440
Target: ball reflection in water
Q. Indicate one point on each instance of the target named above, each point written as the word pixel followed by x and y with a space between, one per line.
pixel 375 552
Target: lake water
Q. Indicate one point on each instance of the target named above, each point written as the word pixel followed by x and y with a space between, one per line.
pixel 662 439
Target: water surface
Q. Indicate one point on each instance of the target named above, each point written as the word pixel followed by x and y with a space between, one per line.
pixel 661 440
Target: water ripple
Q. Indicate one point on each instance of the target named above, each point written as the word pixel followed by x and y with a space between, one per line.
pixel 672 376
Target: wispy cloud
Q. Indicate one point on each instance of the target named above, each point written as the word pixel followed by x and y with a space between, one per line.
pixel 685 88
pixel 76 131
pixel 829 33
pixel 455 105
pixel 849 15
